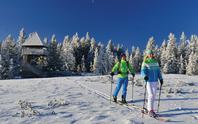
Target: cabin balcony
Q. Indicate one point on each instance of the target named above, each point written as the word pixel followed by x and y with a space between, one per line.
pixel 34 51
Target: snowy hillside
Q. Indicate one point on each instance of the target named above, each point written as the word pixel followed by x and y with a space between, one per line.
pixel 83 100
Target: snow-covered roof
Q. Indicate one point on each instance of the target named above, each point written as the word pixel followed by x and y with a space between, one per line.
pixel 33 40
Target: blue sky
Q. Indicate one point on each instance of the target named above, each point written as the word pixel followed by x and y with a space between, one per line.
pixel 129 22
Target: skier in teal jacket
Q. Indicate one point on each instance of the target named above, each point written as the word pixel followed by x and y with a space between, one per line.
pixel 151 72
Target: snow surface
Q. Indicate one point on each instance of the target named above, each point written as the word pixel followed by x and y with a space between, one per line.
pixel 84 100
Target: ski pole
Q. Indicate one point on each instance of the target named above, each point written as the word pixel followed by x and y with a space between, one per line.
pixel 144 99
pixel 111 88
pixel 132 89
pixel 159 98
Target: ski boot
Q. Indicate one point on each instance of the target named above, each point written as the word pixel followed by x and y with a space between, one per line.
pixel 123 100
pixel 114 99
pixel 152 114
pixel 144 111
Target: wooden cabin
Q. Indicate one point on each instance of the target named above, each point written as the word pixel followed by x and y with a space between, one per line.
pixel 34 54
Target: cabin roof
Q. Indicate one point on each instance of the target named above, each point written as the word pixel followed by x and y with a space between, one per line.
pixel 33 40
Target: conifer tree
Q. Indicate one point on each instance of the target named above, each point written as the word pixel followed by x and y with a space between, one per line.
pixel 9 52
pixel 163 54
pixel 54 60
pixel 171 65
pixel 96 65
pixel 192 67
pixel 137 60
pixel 151 44
pixel 77 47
pixel 109 56
pixel 67 55
pixel 127 54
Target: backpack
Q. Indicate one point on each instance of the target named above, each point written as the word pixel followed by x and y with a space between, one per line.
pixel 118 52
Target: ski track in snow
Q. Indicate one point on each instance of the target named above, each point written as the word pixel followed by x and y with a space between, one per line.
pixel 85 100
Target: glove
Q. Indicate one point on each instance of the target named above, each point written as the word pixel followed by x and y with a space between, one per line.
pixel 146 78
pixel 161 82
pixel 119 72
pixel 112 74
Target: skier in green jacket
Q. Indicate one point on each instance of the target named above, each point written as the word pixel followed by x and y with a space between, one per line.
pixel 122 68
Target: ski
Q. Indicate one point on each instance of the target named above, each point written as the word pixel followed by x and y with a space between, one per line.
pixel 121 103
pixel 132 106
pixel 142 111
pixel 157 117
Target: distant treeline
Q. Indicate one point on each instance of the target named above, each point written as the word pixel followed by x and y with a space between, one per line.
pixel 84 54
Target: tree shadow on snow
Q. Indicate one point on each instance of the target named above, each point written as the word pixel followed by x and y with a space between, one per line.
pixel 135 101
pixel 179 112
pixel 176 114
pixel 171 99
pixel 167 99
pixel 182 109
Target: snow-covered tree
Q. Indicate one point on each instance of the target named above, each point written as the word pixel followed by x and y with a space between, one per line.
pixel 97 63
pixel 171 65
pixel 0 67
pixel 21 39
pixel 59 48
pixel 166 68
pixel 192 67
pixel 83 64
pixel 182 65
pixel 192 46
pixel 86 49
pixel 9 50
pixel 45 41
pixel 100 63
pixel 157 53
pixel 133 50
pixel 131 59
pixel 127 54
pixel 193 43
pixel 79 68
pixel 109 56
pixel 182 46
pixel 151 44
pixel 163 54
pixel 137 60
pixel 77 47
pixel 54 60
pixel 67 55
pixel 11 69
pixel 59 51
pixel 103 58
pixel 93 43
pixel 90 57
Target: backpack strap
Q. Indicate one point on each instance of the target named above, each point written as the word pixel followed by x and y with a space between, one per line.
pixel 119 62
pixel 127 67
pixel 127 62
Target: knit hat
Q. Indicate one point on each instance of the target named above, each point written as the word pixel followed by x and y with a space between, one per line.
pixel 123 55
